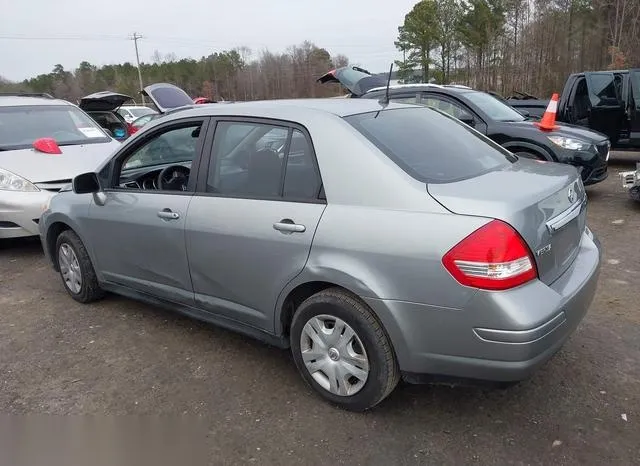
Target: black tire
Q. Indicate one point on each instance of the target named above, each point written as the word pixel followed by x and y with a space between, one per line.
pixel 90 289
pixel 384 373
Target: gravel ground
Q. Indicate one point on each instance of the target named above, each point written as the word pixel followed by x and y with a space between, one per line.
pixel 119 357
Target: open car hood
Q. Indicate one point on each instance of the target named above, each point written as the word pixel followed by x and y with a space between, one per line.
pixel 104 101
pixel 166 96
pixel 357 80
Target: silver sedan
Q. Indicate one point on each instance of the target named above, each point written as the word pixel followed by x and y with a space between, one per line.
pixel 44 143
pixel 376 241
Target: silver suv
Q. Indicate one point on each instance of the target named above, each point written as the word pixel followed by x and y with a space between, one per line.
pixel 374 240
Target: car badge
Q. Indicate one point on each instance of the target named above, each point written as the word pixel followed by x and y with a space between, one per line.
pixel 543 250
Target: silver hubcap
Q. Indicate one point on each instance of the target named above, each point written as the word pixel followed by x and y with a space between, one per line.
pixel 70 268
pixel 334 355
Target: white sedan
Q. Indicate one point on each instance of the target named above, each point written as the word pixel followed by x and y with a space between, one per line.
pixel 44 143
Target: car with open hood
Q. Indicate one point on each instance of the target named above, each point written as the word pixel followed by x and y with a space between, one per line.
pixel 578 146
pixel 44 143
pixel 103 107
pixel 352 232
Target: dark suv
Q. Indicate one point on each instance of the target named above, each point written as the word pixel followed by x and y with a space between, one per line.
pixel 586 149
pixel 605 101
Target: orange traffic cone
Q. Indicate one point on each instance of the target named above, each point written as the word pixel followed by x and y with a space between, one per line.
pixel 548 121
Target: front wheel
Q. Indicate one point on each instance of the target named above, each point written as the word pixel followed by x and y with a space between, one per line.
pixel 342 350
pixel 77 273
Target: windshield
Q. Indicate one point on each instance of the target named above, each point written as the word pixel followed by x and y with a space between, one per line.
pixel 141 111
pixel 20 126
pixel 493 107
pixel 429 145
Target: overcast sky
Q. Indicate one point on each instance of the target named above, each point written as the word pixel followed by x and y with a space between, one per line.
pixel 32 31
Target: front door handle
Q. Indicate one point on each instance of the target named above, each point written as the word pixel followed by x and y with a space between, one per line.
pixel 168 214
pixel 287 226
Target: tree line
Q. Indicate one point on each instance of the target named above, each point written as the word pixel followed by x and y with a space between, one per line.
pixel 499 45
pixel 227 75
pixel 517 45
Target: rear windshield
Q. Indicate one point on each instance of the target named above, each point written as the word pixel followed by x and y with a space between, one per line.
pixel 430 145
pixel 20 126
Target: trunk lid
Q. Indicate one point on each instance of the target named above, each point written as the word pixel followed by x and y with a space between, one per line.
pixel 104 101
pixel 545 202
pixel 357 80
pixel 166 96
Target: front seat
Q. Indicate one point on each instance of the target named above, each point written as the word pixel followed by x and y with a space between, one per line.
pixel 264 173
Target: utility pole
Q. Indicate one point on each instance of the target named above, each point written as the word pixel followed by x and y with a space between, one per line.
pixel 135 39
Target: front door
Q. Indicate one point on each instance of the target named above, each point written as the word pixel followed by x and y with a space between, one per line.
pixel 252 220
pixel 606 108
pixel 139 224
pixel 634 108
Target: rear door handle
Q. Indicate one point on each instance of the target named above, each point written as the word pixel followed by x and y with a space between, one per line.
pixel 168 214
pixel 287 226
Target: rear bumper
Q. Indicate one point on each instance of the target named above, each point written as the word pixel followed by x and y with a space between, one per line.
pixel 20 213
pixel 499 336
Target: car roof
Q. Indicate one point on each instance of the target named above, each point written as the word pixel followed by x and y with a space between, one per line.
pixel 21 100
pixel 425 86
pixel 275 108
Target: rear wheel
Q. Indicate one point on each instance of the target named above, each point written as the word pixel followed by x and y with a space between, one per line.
pixel 342 350
pixel 76 270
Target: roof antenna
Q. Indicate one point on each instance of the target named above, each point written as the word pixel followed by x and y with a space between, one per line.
pixel 385 100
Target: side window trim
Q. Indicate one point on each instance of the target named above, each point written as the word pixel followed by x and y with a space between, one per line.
pixel 453 102
pixel 208 159
pixel 131 147
pixel 406 95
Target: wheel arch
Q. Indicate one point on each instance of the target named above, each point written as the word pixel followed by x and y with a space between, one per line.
pixel 524 146
pixel 55 225
pixel 294 297
pixel 53 231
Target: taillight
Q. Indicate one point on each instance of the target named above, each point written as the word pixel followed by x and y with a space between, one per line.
pixel 494 257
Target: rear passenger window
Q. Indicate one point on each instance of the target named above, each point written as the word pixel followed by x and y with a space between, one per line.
pixel 262 161
pixel 301 179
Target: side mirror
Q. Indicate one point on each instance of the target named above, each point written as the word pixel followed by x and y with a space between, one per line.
pixel 525 113
pixel 86 183
pixel 467 119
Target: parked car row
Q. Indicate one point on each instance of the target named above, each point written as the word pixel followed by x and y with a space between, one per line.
pixel 45 142
pixel 587 150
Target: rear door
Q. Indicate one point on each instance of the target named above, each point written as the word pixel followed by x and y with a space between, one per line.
pixel 606 112
pixel 634 107
pixel 251 223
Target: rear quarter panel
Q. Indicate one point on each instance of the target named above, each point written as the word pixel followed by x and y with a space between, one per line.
pixel 390 254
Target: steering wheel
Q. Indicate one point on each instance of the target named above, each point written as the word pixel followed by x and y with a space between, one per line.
pixel 173 178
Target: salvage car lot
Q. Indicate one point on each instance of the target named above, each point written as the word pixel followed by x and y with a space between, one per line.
pixel 123 357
